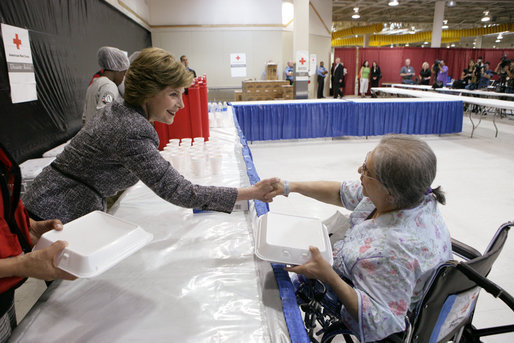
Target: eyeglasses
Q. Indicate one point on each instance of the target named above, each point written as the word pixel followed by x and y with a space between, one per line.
pixel 365 170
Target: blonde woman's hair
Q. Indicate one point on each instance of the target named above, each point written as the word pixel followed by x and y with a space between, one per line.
pixel 425 65
pixel 151 71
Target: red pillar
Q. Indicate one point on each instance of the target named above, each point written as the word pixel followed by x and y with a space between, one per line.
pixel 195 111
pixel 181 127
pixel 204 106
pixel 162 132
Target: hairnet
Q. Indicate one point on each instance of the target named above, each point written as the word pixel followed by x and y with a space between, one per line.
pixel 114 59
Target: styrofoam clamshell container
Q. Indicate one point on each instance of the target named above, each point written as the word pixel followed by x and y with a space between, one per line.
pixel 97 241
pixel 286 239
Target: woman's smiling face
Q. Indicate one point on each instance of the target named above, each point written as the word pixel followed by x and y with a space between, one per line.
pixel 163 106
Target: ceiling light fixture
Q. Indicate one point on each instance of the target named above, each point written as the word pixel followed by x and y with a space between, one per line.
pixel 497 41
pixel 486 16
pixel 393 3
pixel 451 3
pixel 356 13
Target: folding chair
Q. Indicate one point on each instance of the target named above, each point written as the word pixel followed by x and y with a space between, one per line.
pixel 446 310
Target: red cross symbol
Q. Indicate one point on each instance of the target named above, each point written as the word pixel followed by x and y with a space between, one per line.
pixel 302 61
pixel 17 41
pixel 238 58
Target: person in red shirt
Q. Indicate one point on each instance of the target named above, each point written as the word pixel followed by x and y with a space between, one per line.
pixel 18 233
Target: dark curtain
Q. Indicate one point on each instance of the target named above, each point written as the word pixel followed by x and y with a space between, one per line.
pixel 64 37
pixel 391 60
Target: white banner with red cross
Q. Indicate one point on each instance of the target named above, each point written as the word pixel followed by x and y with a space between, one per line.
pixel 302 61
pixel 238 65
pixel 19 63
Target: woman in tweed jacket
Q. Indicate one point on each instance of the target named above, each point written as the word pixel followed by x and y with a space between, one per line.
pixel 118 147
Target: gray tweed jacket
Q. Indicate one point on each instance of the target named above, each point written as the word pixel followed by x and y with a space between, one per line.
pixel 110 153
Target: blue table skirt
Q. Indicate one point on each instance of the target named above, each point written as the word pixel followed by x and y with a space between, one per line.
pixel 347 118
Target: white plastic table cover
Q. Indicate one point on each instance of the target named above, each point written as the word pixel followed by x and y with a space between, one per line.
pixel 409 86
pixel 31 168
pixel 197 281
pixel 492 103
pixel 481 93
pixel 56 151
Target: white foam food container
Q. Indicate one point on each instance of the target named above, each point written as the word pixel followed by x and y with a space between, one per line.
pixel 97 241
pixel 286 239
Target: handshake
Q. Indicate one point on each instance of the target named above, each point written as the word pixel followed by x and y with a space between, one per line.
pixel 264 190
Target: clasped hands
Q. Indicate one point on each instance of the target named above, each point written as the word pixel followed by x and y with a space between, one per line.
pixel 266 190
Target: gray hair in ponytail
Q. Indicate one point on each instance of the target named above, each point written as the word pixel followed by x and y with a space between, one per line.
pixel 406 166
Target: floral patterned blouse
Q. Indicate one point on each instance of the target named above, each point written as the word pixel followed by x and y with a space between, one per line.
pixel 389 259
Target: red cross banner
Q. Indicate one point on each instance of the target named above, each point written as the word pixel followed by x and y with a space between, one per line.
pixel 238 65
pixel 19 63
pixel 302 61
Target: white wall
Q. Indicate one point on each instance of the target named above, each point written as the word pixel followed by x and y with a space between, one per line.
pixel 324 9
pixel 208 51
pixel 208 31
pixel 321 47
pixel 320 39
pixel 205 12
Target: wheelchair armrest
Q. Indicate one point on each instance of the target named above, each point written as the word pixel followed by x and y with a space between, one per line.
pixel 488 285
pixel 463 250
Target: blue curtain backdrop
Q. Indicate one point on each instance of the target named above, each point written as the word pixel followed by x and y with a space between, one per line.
pixel 347 118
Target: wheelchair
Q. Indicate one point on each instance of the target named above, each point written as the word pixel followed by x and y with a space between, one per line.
pixel 445 312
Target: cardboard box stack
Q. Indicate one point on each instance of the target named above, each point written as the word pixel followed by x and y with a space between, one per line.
pixel 238 95
pixel 264 90
pixel 287 92
pixel 271 72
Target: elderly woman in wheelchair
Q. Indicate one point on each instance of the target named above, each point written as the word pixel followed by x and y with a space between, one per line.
pixel 397 237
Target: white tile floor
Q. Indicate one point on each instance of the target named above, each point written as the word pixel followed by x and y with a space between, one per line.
pixel 477 175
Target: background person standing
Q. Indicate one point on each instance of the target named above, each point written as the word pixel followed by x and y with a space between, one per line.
pixel 425 74
pixel 288 72
pixel 338 78
pixel 364 78
pixel 376 74
pixel 185 62
pixel 442 77
pixel 322 73
pixel 407 72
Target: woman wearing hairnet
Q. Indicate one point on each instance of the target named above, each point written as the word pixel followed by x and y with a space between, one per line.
pixel 104 88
